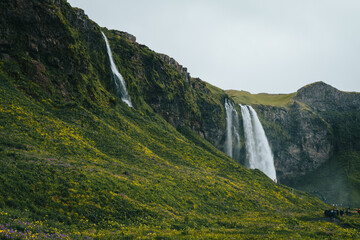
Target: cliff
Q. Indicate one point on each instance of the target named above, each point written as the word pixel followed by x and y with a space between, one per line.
pixel 48 38
pixel 314 136
pixel 56 47
pixel 157 81
pixel 322 97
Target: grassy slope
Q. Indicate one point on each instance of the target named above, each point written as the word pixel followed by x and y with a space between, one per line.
pixel 107 169
pixel 92 166
pixel 243 97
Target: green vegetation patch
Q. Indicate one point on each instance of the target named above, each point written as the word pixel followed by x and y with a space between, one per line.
pixel 243 97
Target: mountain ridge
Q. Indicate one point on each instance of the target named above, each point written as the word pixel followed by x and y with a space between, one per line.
pixel 309 132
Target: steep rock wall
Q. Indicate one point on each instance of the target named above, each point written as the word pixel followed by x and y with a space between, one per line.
pixel 43 40
pixel 299 138
pixel 158 81
pixel 48 39
pixel 315 139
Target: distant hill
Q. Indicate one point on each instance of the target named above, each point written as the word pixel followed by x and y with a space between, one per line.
pixel 247 98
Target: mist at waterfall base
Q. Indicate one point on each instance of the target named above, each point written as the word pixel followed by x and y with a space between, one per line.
pixel 121 90
pixel 258 152
pixel 232 140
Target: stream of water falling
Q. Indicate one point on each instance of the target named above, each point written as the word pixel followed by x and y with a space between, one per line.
pixel 258 151
pixel 232 140
pixel 121 90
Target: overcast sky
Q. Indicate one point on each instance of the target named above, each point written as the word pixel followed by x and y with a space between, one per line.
pixel 273 46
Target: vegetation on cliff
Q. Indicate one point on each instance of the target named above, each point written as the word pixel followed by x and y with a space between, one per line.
pixel 247 98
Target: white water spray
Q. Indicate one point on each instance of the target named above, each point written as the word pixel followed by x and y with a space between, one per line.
pixel 232 140
pixel 118 78
pixel 258 150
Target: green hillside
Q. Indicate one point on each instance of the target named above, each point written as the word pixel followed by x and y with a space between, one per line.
pixel 78 163
pixel 247 98
pixel 118 167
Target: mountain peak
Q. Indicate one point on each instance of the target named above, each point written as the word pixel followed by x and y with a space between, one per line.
pixel 316 85
pixel 316 90
pixel 324 97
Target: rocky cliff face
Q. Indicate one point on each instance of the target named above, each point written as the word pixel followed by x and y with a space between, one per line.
pixel 300 139
pixel 310 136
pixel 175 64
pixel 44 39
pixel 322 97
pixel 160 82
pixel 47 39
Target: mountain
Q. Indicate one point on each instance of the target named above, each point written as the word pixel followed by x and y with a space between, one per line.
pixel 314 134
pixel 79 163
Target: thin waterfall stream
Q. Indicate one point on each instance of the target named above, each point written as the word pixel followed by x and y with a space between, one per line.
pixel 120 85
pixel 232 139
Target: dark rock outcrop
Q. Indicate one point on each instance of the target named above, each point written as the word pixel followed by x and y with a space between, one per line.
pixel 175 64
pixel 126 35
pixel 322 97
pixel 298 137
pixel 46 38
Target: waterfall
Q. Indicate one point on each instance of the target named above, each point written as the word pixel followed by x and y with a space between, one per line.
pixel 228 140
pixel 232 140
pixel 258 152
pixel 118 78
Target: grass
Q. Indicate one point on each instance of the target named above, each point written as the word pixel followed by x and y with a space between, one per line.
pixel 277 100
pixel 252 225
pixel 122 173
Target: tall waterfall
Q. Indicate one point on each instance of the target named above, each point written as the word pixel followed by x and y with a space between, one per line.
pixel 118 78
pixel 232 140
pixel 258 150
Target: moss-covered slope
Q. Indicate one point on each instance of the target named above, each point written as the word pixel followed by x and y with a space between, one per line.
pixel 247 98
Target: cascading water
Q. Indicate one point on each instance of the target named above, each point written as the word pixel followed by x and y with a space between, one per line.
pixel 228 140
pixel 232 140
pixel 118 78
pixel 258 150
